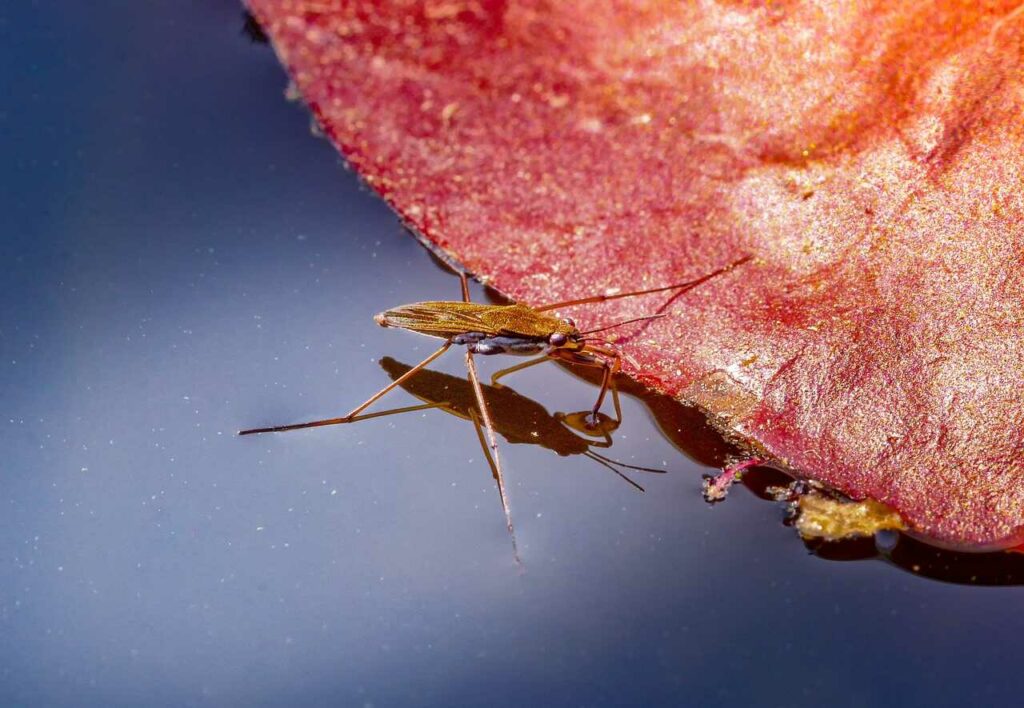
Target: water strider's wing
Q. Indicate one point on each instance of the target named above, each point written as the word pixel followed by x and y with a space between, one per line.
pixel 438 319
pixel 448 319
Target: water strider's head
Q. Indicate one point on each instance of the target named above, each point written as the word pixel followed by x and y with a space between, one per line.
pixel 565 335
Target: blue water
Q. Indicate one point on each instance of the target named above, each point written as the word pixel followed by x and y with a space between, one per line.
pixel 182 258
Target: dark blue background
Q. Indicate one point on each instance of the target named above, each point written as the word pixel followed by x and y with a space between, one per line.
pixel 182 258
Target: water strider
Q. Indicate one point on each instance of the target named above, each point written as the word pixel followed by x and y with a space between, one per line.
pixel 507 329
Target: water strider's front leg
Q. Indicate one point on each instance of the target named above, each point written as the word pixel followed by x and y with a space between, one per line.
pixel 605 358
pixel 609 374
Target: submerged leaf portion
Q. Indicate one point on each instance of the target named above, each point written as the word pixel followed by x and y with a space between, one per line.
pixel 870 156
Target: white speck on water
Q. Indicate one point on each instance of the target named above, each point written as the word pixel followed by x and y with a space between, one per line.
pixel 333 492
pixel 259 528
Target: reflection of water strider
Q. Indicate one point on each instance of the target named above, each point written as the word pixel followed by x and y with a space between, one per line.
pixel 508 329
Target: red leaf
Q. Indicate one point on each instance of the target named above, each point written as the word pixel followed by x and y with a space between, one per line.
pixel 872 160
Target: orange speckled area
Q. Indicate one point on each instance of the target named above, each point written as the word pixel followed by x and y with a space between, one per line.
pixel 870 155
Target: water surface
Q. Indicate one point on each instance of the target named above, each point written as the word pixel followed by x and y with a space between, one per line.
pixel 183 259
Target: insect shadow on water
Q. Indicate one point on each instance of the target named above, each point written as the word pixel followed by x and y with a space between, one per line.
pixel 516 329
pixel 516 418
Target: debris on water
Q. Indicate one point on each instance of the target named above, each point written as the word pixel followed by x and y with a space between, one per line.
pixel 717 488
pixel 830 519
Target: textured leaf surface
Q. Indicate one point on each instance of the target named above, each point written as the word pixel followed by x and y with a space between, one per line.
pixel 870 155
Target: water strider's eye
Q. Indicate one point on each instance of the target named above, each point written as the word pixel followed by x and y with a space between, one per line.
pixel 569 321
pixel 557 339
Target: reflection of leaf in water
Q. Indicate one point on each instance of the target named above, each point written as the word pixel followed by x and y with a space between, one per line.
pixel 518 419
pixel 251 29
pixel 927 561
